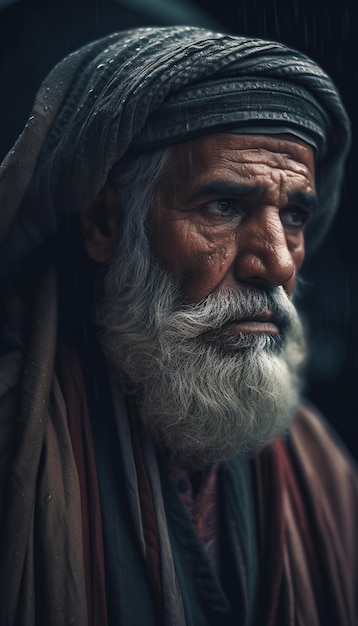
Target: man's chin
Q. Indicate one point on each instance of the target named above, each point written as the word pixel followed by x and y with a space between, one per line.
pixel 197 458
pixel 205 405
pixel 209 395
pixel 220 438
pixel 226 341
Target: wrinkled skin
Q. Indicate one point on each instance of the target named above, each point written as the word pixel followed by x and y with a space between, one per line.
pixel 231 212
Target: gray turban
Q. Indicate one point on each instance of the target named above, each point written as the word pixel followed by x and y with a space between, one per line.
pixel 141 89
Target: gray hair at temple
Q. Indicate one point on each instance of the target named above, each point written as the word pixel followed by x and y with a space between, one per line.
pixel 148 88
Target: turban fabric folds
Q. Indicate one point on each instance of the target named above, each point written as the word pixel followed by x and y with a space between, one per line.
pixel 145 88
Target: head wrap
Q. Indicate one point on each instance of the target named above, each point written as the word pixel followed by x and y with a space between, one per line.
pixel 149 87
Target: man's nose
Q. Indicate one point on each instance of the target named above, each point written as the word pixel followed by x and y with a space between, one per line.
pixel 264 258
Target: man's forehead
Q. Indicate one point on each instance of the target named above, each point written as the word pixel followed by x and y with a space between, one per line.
pixel 231 165
pixel 221 148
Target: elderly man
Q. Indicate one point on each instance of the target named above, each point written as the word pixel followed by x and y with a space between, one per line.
pixel 158 464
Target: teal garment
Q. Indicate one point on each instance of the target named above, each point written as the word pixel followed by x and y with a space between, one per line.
pixel 208 600
pixel 227 598
pixel 128 590
pixel 239 515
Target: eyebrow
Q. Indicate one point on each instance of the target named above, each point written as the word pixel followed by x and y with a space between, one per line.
pixel 234 190
pixel 304 199
pixel 226 188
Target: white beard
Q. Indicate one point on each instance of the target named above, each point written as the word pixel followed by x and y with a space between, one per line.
pixel 204 393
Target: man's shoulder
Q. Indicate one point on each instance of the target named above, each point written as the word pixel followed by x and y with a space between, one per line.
pixel 315 438
pixel 326 466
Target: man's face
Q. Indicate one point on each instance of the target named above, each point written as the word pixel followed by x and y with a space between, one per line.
pixel 199 324
pixel 231 212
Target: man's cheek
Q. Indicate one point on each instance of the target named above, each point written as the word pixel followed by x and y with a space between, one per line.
pixel 204 274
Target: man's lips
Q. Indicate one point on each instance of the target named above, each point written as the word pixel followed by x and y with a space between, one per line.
pixel 248 327
pixel 265 324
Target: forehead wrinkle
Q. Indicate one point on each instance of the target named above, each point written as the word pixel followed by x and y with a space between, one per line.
pixel 193 164
pixel 289 168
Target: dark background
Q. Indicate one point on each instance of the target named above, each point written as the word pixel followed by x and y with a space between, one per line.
pixel 35 34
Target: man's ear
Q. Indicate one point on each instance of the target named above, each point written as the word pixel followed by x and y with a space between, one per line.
pixel 100 225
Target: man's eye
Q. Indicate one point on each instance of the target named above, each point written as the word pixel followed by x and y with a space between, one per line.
pixel 294 217
pixel 222 208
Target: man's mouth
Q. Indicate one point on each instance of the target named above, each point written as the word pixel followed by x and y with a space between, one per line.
pixel 266 323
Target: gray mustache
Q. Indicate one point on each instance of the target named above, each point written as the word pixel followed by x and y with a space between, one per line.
pixel 224 307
